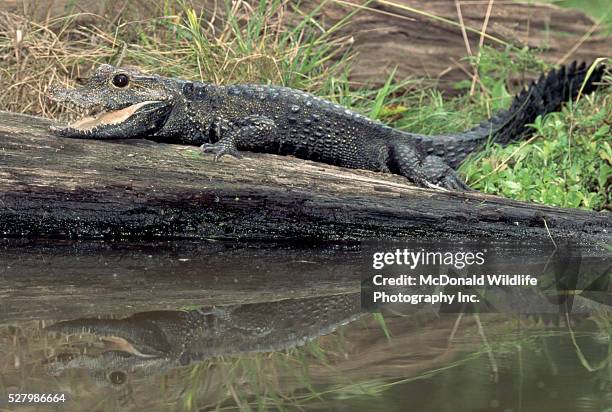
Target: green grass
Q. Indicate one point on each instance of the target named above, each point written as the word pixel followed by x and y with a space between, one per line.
pixel 568 163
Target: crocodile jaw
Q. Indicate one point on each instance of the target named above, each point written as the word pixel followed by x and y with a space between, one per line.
pixel 133 121
pixel 117 343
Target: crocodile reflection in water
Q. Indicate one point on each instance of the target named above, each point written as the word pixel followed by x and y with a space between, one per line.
pixel 155 341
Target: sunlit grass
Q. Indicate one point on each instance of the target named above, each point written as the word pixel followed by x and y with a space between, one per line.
pixel 245 44
pixel 568 163
pixel 567 160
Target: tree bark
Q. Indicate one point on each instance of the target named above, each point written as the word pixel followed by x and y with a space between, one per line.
pixel 66 188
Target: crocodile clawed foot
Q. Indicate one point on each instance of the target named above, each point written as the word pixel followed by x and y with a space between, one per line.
pixel 453 182
pixel 220 150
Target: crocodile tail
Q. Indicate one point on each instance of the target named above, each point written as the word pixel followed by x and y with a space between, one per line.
pixel 541 97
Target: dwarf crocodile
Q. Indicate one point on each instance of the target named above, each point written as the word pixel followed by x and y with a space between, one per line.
pixel 280 120
pixel 155 341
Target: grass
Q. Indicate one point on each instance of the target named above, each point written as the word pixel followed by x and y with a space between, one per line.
pixel 566 163
pixel 252 45
pixel 567 160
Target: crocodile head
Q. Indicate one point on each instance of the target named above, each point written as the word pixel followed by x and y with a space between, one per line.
pixel 121 104
pixel 112 350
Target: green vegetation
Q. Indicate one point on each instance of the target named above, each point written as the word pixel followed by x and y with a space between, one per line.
pixel 566 163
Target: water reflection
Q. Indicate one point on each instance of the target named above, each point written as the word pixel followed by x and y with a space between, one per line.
pixel 290 334
pixel 491 361
pixel 157 340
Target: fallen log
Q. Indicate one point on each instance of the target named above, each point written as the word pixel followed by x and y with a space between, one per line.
pixel 420 38
pixel 65 188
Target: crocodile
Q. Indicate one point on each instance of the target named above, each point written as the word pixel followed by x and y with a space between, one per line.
pixel 155 341
pixel 225 120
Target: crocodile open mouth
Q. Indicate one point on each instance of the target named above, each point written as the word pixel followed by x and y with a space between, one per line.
pixel 137 120
pixel 113 117
pixel 94 345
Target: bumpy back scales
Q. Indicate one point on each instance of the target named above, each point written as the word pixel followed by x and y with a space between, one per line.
pixel 225 120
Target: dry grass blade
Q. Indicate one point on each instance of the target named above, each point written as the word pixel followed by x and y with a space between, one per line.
pixel 36 54
pixel 580 42
pixel 463 31
pixel 485 23
pixel 248 43
pixel 440 19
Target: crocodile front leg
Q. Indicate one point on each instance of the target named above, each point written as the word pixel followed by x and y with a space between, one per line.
pixel 230 136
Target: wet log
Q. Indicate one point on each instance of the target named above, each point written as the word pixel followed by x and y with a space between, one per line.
pixel 66 188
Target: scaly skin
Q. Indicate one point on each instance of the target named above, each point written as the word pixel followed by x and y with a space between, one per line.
pixel 151 342
pixel 279 120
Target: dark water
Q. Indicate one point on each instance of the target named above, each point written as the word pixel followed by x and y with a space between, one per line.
pixel 527 371
pixel 226 326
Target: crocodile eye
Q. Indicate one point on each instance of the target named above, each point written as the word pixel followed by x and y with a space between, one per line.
pixel 117 377
pixel 120 80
